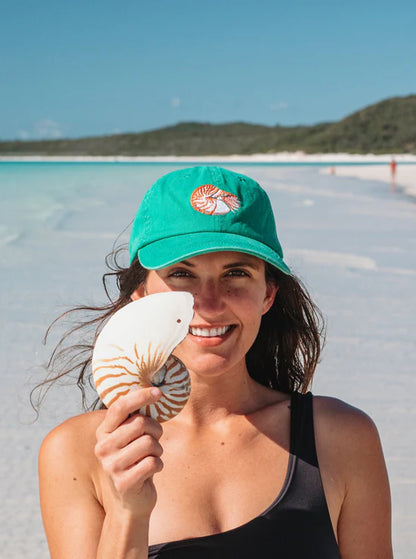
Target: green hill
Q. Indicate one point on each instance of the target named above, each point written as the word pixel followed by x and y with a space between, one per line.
pixel 385 127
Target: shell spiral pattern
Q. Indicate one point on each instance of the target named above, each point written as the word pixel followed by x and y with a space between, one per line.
pixel 134 350
pixel 211 200
pixel 174 382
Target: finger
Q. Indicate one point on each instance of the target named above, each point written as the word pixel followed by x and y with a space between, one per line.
pixel 126 405
pixel 134 427
pixel 137 451
pixel 137 475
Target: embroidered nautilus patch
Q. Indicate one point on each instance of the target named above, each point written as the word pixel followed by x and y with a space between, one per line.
pixel 211 200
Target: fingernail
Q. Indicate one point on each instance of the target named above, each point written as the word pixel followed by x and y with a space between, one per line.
pixel 155 392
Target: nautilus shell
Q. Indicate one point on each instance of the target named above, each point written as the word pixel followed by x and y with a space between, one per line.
pixel 134 350
pixel 211 200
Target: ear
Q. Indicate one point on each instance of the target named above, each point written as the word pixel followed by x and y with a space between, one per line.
pixel 271 290
pixel 139 292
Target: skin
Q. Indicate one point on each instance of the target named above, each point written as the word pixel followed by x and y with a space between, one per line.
pixel 111 495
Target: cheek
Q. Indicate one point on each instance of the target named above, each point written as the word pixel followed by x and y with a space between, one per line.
pixel 155 284
pixel 250 306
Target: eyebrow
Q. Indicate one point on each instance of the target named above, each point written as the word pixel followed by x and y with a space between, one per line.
pixel 252 263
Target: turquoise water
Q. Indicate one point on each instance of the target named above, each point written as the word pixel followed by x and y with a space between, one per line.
pixel 38 198
pixel 99 199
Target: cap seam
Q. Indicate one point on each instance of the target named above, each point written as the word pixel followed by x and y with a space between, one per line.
pixel 187 233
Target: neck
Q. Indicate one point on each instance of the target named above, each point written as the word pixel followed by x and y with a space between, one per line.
pixel 214 399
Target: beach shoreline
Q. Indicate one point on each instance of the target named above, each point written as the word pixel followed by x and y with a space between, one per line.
pixel 278 157
pixel 360 166
pixel 403 179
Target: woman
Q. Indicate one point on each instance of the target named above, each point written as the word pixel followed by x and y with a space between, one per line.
pixel 253 466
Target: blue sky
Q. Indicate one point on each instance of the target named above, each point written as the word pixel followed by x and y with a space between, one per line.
pixel 79 68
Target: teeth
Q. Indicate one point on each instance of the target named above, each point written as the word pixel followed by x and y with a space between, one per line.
pixel 209 332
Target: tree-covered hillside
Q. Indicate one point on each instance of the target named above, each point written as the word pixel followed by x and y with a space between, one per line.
pixel 385 127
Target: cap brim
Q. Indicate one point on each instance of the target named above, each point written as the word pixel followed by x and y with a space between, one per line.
pixel 171 250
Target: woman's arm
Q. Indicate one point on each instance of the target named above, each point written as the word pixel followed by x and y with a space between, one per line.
pixel 355 480
pixel 96 485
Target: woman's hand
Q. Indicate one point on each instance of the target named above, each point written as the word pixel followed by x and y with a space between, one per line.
pixel 129 452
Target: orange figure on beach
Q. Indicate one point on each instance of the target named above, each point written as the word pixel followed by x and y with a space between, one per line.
pixel 254 464
pixel 393 166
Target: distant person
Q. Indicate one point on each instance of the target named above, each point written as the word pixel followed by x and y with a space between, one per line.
pixel 254 465
pixel 393 168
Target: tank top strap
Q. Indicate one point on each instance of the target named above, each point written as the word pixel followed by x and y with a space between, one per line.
pixel 302 434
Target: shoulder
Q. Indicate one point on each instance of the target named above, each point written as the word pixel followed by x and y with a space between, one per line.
pixel 334 418
pixel 75 429
pixel 71 443
pixel 347 440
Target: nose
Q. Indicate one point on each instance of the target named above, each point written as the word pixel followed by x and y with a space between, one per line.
pixel 208 298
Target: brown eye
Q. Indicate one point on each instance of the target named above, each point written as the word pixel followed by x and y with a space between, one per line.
pixel 179 321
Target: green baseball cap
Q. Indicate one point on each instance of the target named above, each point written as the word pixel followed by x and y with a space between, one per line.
pixel 204 209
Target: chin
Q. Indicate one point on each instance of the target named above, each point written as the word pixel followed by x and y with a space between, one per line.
pixel 214 366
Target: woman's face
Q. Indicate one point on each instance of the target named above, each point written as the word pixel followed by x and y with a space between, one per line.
pixel 231 295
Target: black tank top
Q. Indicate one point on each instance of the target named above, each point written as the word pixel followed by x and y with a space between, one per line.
pixel 297 524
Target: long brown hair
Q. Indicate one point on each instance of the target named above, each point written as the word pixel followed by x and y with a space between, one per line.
pixel 286 351
pixel 283 357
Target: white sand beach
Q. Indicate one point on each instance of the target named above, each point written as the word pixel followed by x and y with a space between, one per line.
pixel 348 235
pixel 403 178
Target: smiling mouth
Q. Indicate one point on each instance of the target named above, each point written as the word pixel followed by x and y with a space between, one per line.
pixel 210 332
